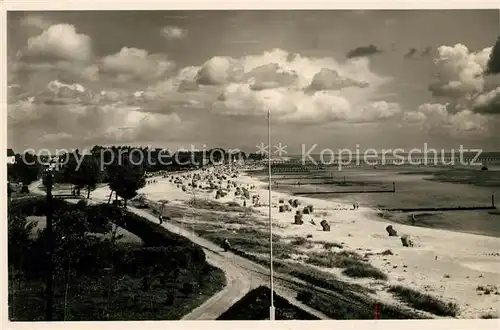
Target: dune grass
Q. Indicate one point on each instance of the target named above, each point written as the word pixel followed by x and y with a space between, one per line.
pixel 330 259
pixel 352 262
pixel 206 204
pixel 300 241
pixel 248 240
pixel 364 270
pixel 330 245
pixel 342 300
pixel 424 301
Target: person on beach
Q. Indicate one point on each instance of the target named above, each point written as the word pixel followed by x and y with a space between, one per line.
pixel 226 244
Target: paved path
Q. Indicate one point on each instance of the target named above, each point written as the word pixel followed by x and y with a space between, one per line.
pixel 242 275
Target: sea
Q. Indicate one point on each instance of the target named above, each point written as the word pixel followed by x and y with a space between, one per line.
pixel 417 186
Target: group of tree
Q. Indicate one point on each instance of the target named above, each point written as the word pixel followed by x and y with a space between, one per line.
pixel 122 167
pixel 122 173
pixel 126 178
pixel 24 170
pixel 164 270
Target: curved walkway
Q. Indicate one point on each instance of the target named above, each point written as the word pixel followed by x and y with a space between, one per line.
pixel 242 275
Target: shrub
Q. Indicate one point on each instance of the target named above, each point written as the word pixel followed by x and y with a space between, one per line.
pixel 424 301
pixel 329 245
pixel 364 270
pixel 299 241
pixel 304 296
pixel 334 259
pixel 187 288
pixel 81 204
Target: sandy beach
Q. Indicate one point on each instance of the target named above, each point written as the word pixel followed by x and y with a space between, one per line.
pixel 456 267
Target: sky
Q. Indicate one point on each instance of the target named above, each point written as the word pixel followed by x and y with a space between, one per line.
pixel 177 79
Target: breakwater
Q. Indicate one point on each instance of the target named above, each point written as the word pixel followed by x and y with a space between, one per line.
pixel 440 209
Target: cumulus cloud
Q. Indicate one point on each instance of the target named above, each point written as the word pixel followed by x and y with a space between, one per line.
pixel 237 82
pixel 330 79
pixel 415 117
pixel 90 109
pixel 103 123
pixel 60 42
pixel 220 70
pixel 240 99
pixel 21 111
pixel 436 118
pixel 379 110
pixel 270 76
pixel 132 63
pixel 459 71
pixel 35 21
pixel 299 107
pixel 278 68
pixel 488 103
pixel 173 33
pixel 363 51
pixel 57 87
pixel 57 92
pixel 90 73
pixel 466 79
pixel 293 87
pixel 140 126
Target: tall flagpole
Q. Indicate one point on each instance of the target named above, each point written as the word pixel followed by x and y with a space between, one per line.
pixel 271 309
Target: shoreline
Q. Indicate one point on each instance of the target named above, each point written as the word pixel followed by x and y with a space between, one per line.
pixel 447 264
pixel 438 220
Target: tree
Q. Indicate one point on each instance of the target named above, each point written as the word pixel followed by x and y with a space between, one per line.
pixel 19 232
pixel 67 172
pixel 217 155
pixel 237 155
pixel 126 179
pixel 74 238
pixel 27 169
pixel 256 156
pixel 9 190
pixel 88 175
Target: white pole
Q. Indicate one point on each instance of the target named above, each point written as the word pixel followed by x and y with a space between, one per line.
pixel 271 309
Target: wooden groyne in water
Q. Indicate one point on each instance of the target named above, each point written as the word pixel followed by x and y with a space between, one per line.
pixel 329 180
pixel 303 177
pixel 337 192
pixel 357 162
pixel 303 193
pixel 441 209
